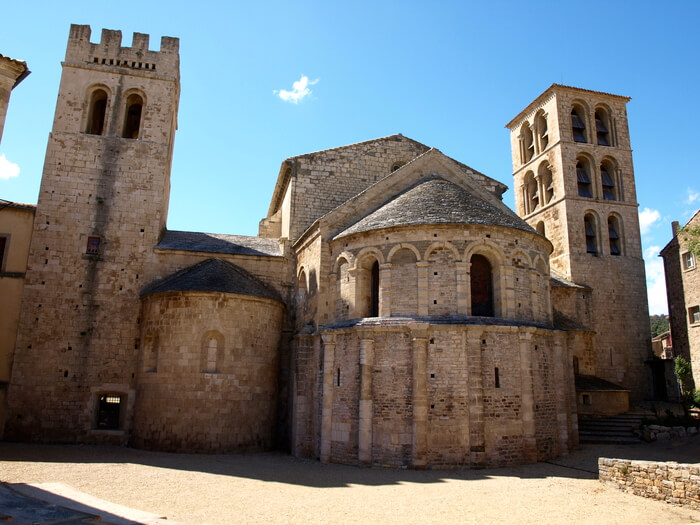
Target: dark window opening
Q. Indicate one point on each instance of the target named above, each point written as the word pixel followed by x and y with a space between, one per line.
pixel 97 112
pixel 3 246
pixel 497 377
pixel 587 399
pixel 109 411
pixel 481 286
pixel 93 246
pixel 591 244
pixel 602 132
pixel 337 378
pixel 576 365
pixel 374 290
pixel 132 120
pixel 614 237
pixel 583 180
pixel 578 127
pixel 608 184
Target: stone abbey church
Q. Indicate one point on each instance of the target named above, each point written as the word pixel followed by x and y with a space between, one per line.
pixel 392 310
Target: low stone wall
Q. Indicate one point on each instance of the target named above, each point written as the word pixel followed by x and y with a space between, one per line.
pixel 659 432
pixel 676 483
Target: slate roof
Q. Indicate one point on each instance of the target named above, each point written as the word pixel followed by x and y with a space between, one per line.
pixel 556 279
pixel 435 200
pixel 219 243
pixel 213 275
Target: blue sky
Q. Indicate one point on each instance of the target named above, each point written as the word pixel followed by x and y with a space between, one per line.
pixel 448 74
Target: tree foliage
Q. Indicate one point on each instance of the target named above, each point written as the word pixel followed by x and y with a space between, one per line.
pixel 659 324
pixel 691 237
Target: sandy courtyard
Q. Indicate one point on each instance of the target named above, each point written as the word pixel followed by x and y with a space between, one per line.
pixel 275 488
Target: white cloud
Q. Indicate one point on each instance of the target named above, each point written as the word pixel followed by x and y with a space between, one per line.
pixel 300 90
pixel 8 169
pixel 692 196
pixel 656 281
pixel 647 217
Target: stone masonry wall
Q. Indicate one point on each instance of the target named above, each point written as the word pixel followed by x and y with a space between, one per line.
pixel 676 483
pixel 185 400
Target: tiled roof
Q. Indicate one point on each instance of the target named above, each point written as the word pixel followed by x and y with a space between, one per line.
pixel 557 279
pixel 435 200
pixel 219 243
pixel 10 204
pixel 213 275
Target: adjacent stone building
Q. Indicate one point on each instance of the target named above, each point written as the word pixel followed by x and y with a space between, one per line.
pixel 392 310
pixel 683 292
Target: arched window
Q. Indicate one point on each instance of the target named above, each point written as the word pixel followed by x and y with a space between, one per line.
pixel 545 175
pixel 481 286
pixel 212 350
pixel 540 228
pixel 531 195
pixel 541 131
pixel 583 178
pixel 132 116
pixel 527 145
pixel 602 127
pixel 212 346
pixel 301 288
pixel 591 237
pixel 614 235
pixel 374 291
pixel 578 124
pixel 607 181
pixel 368 288
pixel 97 112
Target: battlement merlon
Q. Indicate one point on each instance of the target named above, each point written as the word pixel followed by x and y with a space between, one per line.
pixel 109 51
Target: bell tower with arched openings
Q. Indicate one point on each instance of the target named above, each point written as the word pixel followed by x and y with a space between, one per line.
pixel 102 207
pixel 574 183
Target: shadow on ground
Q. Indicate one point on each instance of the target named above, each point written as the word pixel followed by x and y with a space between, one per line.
pixel 282 468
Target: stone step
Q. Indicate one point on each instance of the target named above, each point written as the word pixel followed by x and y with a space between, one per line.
pixel 613 430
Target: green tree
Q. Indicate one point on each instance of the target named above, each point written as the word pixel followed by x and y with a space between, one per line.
pixel 659 324
pixel 691 236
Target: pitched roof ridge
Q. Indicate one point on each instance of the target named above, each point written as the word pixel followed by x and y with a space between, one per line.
pixel 357 144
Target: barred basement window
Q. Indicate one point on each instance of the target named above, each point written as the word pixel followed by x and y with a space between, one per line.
pixel 93 245
pixel 109 411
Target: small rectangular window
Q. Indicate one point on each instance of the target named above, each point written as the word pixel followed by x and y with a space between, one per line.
pixel 688 261
pixel 3 251
pixel 109 411
pixel 586 399
pixel 694 314
pixel 93 246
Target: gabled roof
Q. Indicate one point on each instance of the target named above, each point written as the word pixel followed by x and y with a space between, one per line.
pixel 430 164
pixel 219 243
pixel 586 383
pixel 213 275
pixel 435 200
pixel 668 244
pixel 286 172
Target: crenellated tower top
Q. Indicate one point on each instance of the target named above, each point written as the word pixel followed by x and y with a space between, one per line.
pixel 109 53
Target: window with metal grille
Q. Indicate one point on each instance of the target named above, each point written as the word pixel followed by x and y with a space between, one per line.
pixel 93 246
pixel 608 184
pixel 578 126
pixel 584 180
pixel 601 128
pixel 109 411
pixel 614 236
pixel 694 314
pixel 591 242
pixel 688 260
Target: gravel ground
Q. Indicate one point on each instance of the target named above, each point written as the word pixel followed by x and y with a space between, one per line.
pixel 276 488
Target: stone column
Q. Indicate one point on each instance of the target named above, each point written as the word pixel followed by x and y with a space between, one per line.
pixel 385 290
pixel 353 311
pixel 364 438
pixel 420 396
pixel 528 395
pixel 507 292
pixel 540 190
pixel 422 267
pixel 464 299
pixel 477 436
pixel 327 402
pixel 535 304
pixel 558 357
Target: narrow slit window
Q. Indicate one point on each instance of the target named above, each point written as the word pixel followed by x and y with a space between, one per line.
pixel 497 377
